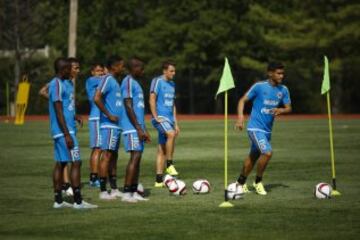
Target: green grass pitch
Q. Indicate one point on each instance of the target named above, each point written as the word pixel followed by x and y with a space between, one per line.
pixel 300 161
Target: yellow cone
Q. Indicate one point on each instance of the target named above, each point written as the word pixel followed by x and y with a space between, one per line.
pixel 335 193
pixel 226 204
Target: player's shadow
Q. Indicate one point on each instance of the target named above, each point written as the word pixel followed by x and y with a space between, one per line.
pixel 147 191
pixel 271 186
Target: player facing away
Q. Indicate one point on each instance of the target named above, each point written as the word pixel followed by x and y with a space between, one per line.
pixel 134 131
pixel 163 110
pixel 109 101
pixel 270 98
pixel 63 131
pixel 97 70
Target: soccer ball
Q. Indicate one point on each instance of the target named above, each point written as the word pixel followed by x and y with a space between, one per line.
pixel 234 191
pixel 181 188
pixel 201 186
pixel 140 189
pixel 322 190
pixel 170 183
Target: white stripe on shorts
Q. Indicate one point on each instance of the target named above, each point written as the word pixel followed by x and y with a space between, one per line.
pixel 257 142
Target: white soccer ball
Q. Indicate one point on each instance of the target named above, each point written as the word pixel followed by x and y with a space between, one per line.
pixel 201 186
pixel 170 183
pixel 140 189
pixel 181 188
pixel 234 191
pixel 322 190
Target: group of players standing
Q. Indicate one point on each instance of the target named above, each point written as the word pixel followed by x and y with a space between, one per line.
pixel 117 111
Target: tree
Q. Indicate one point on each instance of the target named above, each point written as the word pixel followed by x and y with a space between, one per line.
pixel 21 32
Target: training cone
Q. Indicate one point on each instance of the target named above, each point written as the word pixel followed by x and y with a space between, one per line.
pixel 335 193
pixel 226 204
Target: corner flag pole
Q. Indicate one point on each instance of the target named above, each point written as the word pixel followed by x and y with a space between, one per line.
pixel 325 88
pixel 7 91
pixel 226 202
pixel 226 143
pixel 334 192
pixel 226 83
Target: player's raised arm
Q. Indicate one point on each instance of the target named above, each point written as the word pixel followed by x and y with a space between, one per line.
pixel 98 101
pixel 240 110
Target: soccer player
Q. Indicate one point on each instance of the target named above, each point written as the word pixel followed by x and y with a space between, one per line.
pixel 63 130
pixel 163 110
pixel 109 101
pixel 97 70
pixel 44 92
pixel 75 70
pixel 134 130
pixel 270 98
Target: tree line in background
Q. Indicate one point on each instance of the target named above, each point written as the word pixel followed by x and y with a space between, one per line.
pixel 197 35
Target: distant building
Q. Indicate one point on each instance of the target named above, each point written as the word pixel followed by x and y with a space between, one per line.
pixel 26 52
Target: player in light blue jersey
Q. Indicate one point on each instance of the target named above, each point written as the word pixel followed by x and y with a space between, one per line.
pixel 134 131
pixel 108 99
pixel 97 70
pixel 163 110
pixel 44 92
pixel 63 131
pixel 270 98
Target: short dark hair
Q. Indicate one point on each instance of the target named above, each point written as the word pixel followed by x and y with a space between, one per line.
pixel 60 63
pixel 168 63
pixel 95 64
pixel 112 60
pixel 272 66
pixel 73 60
pixel 133 62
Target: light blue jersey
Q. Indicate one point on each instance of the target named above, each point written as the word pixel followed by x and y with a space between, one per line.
pixel 165 97
pixel 130 88
pixel 91 86
pixel 63 91
pixel 265 97
pixel 111 94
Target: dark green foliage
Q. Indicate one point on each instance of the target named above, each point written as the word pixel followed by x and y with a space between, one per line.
pixel 199 34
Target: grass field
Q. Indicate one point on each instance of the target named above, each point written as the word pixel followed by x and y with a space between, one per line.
pixel 289 211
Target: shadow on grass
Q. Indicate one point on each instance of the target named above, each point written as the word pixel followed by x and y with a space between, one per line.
pixel 270 187
pixel 147 191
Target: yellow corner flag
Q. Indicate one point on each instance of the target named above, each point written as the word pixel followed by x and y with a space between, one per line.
pixel 226 83
pixel 325 88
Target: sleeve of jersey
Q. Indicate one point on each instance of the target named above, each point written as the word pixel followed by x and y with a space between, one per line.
pixel 127 88
pixel 104 85
pixel 174 90
pixel 286 99
pixel 155 86
pixel 251 93
pixel 55 91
